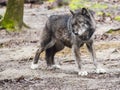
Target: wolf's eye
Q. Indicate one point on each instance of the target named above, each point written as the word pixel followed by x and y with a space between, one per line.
pixel 75 23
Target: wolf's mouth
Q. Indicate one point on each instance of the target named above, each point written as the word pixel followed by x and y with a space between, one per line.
pixel 81 32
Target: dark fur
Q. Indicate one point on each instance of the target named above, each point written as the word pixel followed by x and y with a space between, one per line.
pixel 56 35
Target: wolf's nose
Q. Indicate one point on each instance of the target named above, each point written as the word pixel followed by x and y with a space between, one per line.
pixel 75 33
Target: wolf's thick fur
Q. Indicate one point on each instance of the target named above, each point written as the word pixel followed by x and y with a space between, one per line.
pixel 67 30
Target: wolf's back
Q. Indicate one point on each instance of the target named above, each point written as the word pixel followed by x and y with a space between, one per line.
pixel 56 22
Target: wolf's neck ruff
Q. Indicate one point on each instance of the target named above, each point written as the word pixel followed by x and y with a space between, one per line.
pixel 69 24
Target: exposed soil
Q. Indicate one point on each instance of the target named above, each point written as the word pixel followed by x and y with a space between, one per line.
pixel 17 51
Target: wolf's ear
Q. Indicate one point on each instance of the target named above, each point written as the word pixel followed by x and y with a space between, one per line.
pixel 72 12
pixel 84 11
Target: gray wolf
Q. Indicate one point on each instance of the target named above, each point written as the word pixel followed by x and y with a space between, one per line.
pixel 72 31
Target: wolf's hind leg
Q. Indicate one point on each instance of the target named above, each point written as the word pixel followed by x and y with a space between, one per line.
pixel 49 56
pixel 44 44
pixel 50 53
pixel 34 64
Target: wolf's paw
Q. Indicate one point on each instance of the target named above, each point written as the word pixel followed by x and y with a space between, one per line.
pixel 53 67
pixel 34 66
pixel 100 71
pixel 82 73
pixel 56 66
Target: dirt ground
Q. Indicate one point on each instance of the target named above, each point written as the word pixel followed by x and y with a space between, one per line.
pixel 17 51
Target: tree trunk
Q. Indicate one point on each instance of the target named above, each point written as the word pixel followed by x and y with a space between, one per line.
pixel 13 19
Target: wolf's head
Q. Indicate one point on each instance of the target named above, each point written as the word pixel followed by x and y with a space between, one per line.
pixel 82 22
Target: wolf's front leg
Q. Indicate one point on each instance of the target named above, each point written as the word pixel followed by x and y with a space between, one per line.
pixel 93 56
pixel 76 53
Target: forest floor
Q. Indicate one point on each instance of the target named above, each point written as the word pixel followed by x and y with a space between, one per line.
pixel 17 51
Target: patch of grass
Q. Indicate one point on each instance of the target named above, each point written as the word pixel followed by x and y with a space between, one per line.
pixel 117 18
pixel 99 6
pixel 99 13
pixel 51 0
pixel 75 4
pixel 108 14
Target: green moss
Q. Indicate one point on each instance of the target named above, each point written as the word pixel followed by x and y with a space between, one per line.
pixel 110 31
pixel 117 18
pixel 1 17
pixel 13 18
pixel 9 25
